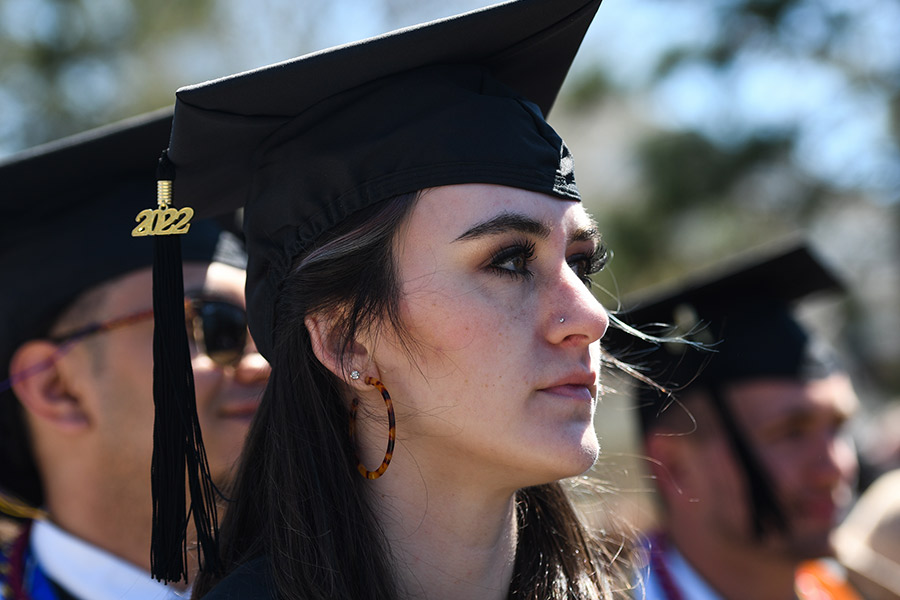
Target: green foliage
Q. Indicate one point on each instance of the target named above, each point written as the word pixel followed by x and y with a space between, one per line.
pixel 587 90
pixel 719 185
pixel 687 170
pixel 74 64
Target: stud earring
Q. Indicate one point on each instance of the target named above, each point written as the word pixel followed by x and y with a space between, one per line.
pixel 562 319
pixel 392 429
pixel 354 375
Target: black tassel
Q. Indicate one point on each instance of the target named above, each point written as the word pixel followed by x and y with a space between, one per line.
pixel 178 452
pixel 766 513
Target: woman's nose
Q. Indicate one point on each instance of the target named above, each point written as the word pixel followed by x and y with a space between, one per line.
pixel 575 314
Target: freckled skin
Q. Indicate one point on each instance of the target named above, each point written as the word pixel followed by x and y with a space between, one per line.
pixel 488 342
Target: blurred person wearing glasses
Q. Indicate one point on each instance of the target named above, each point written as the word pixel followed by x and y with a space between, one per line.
pixel 76 367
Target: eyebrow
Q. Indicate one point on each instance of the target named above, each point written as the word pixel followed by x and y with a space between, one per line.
pixel 505 222
pixel 586 234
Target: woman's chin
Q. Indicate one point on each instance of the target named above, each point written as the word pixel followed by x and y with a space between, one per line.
pixel 590 451
pixel 575 459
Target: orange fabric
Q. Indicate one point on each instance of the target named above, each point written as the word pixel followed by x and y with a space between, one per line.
pixel 816 580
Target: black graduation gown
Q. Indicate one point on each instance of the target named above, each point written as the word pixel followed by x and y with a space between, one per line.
pixel 250 581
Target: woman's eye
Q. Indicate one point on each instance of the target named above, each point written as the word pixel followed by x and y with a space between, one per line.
pixel 514 260
pixel 586 265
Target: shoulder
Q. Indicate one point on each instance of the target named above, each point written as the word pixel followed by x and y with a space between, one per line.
pixel 249 581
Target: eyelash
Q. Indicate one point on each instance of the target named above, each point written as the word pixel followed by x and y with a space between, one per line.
pixel 522 249
pixel 591 262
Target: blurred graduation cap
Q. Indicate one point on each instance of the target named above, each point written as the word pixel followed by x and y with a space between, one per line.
pixel 740 312
pixel 731 323
pixel 306 143
pixel 66 214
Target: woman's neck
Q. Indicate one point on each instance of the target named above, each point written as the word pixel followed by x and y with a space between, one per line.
pixel 446 545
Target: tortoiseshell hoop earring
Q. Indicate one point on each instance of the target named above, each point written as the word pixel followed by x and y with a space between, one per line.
pixel 392 431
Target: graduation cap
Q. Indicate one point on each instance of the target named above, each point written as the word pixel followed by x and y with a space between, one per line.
pixel 66 214
pixel 739 313
pixel 730 324
pixel 306 143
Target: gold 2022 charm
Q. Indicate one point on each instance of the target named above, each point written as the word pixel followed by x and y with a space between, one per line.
pixel 163 220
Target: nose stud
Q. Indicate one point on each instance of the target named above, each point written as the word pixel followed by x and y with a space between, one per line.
pixel 562 319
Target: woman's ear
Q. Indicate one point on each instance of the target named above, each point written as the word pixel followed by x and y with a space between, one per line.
pixel 43 391
pixel 328 347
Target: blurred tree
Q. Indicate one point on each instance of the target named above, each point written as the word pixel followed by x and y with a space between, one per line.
pixel 72 64
pixel 68 65
pixel 777 117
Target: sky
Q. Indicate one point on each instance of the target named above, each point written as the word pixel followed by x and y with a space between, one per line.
pixel 844 126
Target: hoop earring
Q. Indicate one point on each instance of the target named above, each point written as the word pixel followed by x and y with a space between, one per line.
pixel 392 431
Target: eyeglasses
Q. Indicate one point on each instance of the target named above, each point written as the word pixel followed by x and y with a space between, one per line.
pixel 218 328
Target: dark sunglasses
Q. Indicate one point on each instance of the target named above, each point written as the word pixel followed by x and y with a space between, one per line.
pixel 218 328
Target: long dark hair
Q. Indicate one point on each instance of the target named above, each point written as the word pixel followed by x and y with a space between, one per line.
pixel 298 499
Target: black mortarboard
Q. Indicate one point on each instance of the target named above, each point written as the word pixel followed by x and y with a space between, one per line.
pixel 735 323
pixel 305 143
pixel 66 215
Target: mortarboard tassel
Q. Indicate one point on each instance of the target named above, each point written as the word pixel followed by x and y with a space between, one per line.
pixel 178 452
pixel 767 515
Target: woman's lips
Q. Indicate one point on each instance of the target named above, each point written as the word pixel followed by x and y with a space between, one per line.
pixel 571 390
pixel 578 385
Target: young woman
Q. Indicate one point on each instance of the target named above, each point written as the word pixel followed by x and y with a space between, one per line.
pixel 419 279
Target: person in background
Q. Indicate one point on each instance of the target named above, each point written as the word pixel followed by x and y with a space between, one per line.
pixel 76 334
pixel 748 447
